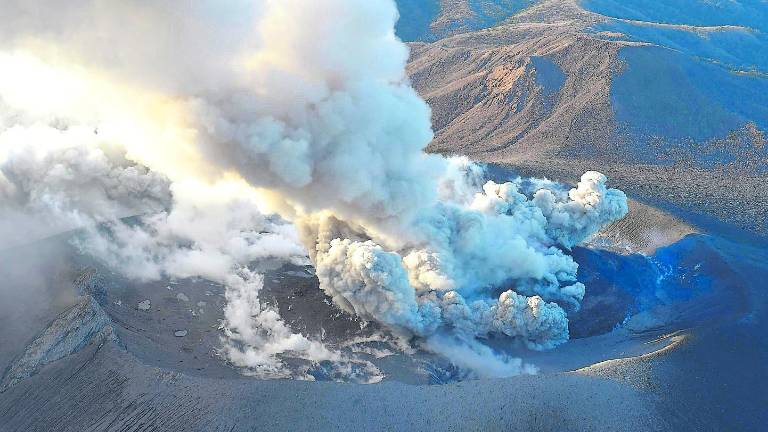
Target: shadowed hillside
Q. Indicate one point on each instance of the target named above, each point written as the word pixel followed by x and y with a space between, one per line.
pixel 429 20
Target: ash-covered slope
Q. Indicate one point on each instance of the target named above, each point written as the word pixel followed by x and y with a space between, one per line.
pixel 658 90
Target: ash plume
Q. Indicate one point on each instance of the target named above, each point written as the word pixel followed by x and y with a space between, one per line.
pixel 301 108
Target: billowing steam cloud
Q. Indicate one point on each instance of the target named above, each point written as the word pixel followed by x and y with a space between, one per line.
pixel 307 103
pixel 56 179
pixel 451 274
pixel 214 232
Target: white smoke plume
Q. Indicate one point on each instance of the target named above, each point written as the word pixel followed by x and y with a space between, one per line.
pixel 478 360
pixel 448 276
pixel 215 232
pixel 56 179
pixel 308 102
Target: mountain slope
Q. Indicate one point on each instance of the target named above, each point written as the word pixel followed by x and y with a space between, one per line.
pixel 558 87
